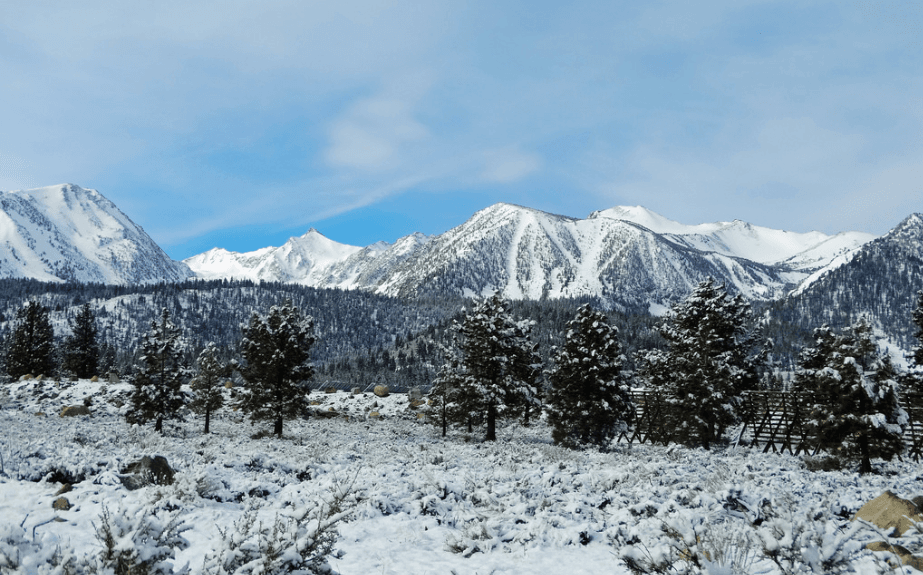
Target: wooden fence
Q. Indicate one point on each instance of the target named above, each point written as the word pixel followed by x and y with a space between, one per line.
pixel 773 420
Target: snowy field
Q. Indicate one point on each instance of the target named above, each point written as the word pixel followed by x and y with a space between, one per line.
pixel 421 504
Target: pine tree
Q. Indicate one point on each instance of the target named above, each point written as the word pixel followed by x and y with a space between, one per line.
pixel 31 345
pixel 709 362
pixel 589 401
pixel 81 350
pixel 207 387
pixel 277 351
pixel 854 411
pixel 158 378
pixel 918 321
pixel 498 366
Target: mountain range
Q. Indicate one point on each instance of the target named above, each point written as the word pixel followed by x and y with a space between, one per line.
pixel 623 255
pixel 626 255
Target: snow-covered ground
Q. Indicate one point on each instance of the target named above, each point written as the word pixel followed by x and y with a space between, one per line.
pixel 421 504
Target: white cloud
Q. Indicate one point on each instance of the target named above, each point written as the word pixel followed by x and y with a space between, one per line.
pixel 370 135
pixel 509 165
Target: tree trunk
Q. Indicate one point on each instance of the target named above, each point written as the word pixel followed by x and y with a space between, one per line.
pixel 445 422
pixel 207 419
pixel 866 465
pixel 277 427
pixel 159 425
pixel 491 422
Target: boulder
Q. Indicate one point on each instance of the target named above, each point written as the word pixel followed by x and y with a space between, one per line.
pixel 374 415
pixel 228 385
pixel 899 551
pixel 330 390
pixel 61 504
pixel 146 471
pixel 355 391
pixel 415 394
pixel 415 403
pixel 113 377
pixel 381 391
pixel 74 410
pixel 94 379
pixel 888 511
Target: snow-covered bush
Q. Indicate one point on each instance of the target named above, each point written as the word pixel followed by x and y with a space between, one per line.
pixel 299 540
pixel 139 540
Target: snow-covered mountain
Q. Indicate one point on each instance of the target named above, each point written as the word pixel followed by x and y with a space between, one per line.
pixel 630 255
pixel 66 233
pixel 880 281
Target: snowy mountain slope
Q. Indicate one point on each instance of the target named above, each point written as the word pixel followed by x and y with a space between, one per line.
pixel 300 260
pixel 311 260
pixel 526 253
pixel 805 252
pixel 880 280
pixel 67 233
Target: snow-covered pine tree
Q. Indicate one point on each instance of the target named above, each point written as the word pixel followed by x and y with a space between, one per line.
pixel 855 411
pixel 918 321
pixel 711 359
pixel 158 378
pixel 81 349
pixel 208 395
pixel 277 351
pixel 498 363
pixel 31 345
pixel 589 401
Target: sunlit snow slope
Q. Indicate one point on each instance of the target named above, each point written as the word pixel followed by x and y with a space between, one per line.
pixel 67 233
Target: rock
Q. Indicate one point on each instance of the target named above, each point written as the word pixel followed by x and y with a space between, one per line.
pixel 415 394
pixel 918 501
pixel 902 553
pixel 113 377
pixel 26 377
pixel 94 379
pixel 228 385
pixel 146 471
pixel 381 391
pixel 74 410
pixel 40 377
pixel 61 504
pixel 355 391
pixel 39 414
pixel 66 488
pixel 415 403
pixel 330 390
pixel 374 415
pixel 888 511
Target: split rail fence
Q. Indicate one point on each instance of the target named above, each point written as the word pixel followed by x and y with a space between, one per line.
pixel 773 420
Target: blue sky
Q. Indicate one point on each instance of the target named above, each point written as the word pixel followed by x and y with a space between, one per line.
pixel 240 124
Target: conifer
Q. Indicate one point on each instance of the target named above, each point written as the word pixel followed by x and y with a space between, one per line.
pixel 709 361
pixel 157 379
pixel 589 401
pixel 854 410
pixel 277 352
pixel 206 386
pixel 31 345
pixel 81 349
pixel 497 366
